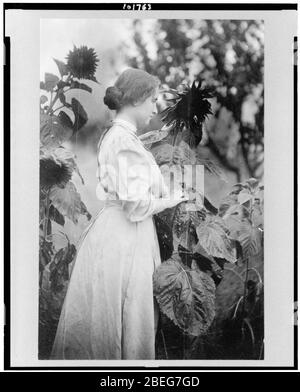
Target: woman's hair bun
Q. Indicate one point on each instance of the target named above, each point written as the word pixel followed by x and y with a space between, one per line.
pixel 113 98
pixel 132 86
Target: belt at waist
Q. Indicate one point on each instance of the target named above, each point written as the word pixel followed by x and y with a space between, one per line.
pixel 113 203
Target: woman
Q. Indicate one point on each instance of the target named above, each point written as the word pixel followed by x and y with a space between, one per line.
pixel 109 311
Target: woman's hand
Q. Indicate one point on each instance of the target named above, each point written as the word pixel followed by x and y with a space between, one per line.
pixel 174 202
pixel 176 197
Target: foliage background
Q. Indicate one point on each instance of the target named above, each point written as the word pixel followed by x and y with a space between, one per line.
pixel 227 54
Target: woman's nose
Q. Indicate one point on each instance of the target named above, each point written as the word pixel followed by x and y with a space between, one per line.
pixel 154 111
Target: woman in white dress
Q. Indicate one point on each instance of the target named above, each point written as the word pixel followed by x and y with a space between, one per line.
pixel 109 311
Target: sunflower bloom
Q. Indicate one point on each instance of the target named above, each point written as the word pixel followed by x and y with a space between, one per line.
pixel 190 108
pixel 54 172
pixel 82 62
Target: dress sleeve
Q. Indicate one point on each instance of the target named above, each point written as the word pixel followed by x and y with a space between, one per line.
pixel 135 176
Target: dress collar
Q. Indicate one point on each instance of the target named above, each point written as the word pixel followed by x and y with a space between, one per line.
pixel 126 124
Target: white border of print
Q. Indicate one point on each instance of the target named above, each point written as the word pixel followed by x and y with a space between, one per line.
pixel 23 27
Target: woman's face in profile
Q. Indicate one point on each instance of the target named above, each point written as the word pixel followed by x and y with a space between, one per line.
pixel 146 110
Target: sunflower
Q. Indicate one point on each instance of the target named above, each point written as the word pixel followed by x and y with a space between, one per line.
pixel 190 108
pixel 82 62
pixel 54 172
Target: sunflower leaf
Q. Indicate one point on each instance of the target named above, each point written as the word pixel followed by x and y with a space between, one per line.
pixel 253 184
pixel 62 98
pixel 50 81
pixel 56 216
pixel 214 237
pixel 59 268
pixel 186 296
pixel 154 136
pixel 53 132
pixel 167 154
pixel 250 239
pixel 43 99
pixel 67 201
pixel 80 114
pixel 62 67
pixel 164 236
pixel 244 197
pixel 84 211
pixel 163 153
pixel 81 86
pixel 45 253
pixel 65 120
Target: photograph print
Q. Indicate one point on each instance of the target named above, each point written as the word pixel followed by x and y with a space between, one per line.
pixel 151 222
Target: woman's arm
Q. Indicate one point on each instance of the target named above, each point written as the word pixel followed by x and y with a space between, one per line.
pixel 140 210
pixel 135 178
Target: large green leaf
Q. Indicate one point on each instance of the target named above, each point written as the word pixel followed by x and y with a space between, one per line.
pixel 214 237
pixel 154 136
pixel 235 224
pixel 65 119
pixel 62 67
pixel 258 215
pixel 59 268
pixel 183 154
pixel 244 197
pixel 186 217
pixel 164 236
pixel 45 252
pixel 43 99
pixel 253 184
pixel 63 100
pixel 56 216
pixel 53 132
pixel 163 153
pixel 180 154
pixel 251 240
pixel 67 201
pixel 84 211
pixel 81 86
pixel 50 81
pixel 242 211
pixel 80 114
pixel 185 295
pixel 228 203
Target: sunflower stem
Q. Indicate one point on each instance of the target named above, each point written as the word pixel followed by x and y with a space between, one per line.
pixel 46 219
pixel 174 138
pixel 245 287
pixel 47 207
pixel 60 107
pixel 164 343
pixel 52 103
pixel 50 111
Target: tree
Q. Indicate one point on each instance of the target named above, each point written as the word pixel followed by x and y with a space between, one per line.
pixel 229 56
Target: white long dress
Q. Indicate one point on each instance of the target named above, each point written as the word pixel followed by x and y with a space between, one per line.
pixel 109 310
